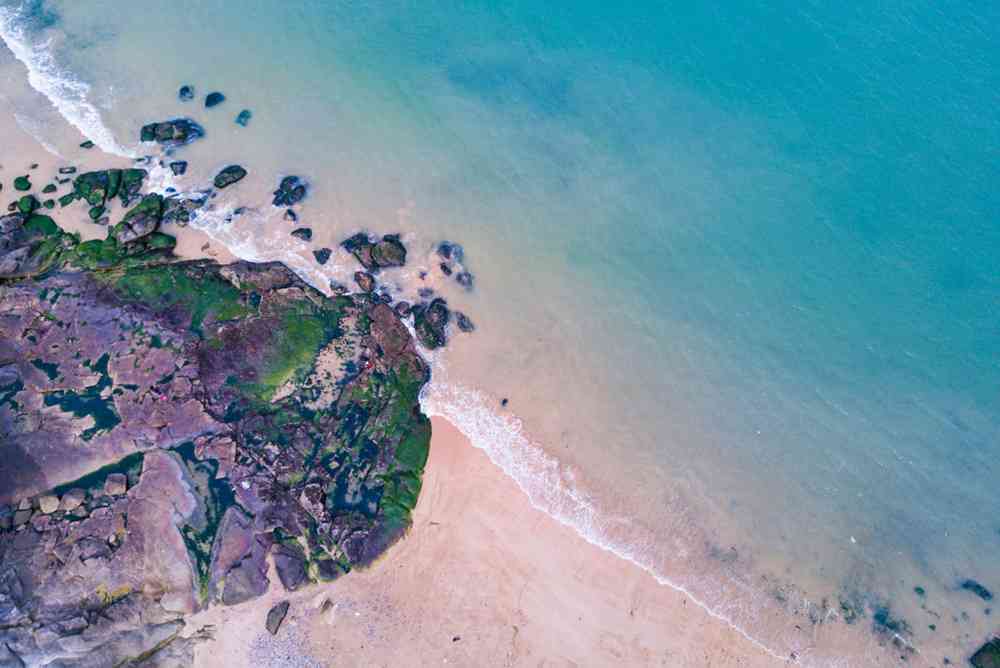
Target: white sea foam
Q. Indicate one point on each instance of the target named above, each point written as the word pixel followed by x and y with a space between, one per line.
pixel 64 90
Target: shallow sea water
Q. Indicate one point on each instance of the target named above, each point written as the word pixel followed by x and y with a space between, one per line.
pixel 735 266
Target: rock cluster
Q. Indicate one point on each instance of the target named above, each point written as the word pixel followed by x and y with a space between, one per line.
pixel 172 133
pixel 290 191
pixel 376 254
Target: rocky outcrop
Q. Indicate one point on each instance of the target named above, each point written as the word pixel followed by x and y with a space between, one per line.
pixel 430 322
pixel 376 254
pixel 988 656
pixel 172 133
pixel 166 426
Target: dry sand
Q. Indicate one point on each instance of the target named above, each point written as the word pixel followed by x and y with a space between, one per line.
pixel 482 579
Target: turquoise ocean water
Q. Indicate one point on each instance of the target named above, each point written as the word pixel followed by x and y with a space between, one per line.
pixel 736 262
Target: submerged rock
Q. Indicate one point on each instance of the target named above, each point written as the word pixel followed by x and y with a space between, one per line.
pixel 244 117
pixel 229 175
pixel 275 616
pixel 977 589
pixel 172 133
pixel 186 93
pixel 214 99
pixel 290 192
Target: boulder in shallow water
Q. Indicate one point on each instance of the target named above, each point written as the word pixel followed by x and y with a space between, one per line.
pixel 463 322
pixel 228 176
pixel 304 233
pixel 364 280
pixel 27 204
pixel 430 322
pixel 22 183
pixel 290 191
pixel 322 255
pixel 49 189
pixel 172 133
pixel 988 656
pixel 179 167
pixel 186 93
pixel 374 255
pixel 275 616
pixel 214 99
pixel 243 118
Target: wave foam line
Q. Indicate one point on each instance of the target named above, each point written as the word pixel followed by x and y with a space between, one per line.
pixel 67 93
pixel 544 480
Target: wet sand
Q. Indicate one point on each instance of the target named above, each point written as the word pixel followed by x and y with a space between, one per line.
pixel 482 578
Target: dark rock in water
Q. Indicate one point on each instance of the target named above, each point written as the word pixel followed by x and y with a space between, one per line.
pixel 181 209
pixel 445 268
pixel 463 322
pixel 977 589
pixel 214 99
pixel 987 656
pixel 172 133
pixel 67 199
pixel 290 191
pixel 27 204
pixel 228 176
pixel 275 616
pixel 338 288
pixel 87 144
pixel 67 170
pixel 375 255
pixel 364 280
pixel 291 216
pixel 504 402
pixel 304 233
pixel 49 204
pixel 51 188
pixel 244 117
pixel 179 167
pixel 450 251
pixel 186 93
pixel 430 323
pixel 402 309
pixel 323 255
pixel 464 279
pixel 383 296
pixel 22 183
pixel 142 220
pixel 96 188
pixel 96 212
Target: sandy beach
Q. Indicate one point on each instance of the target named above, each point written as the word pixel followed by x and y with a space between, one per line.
pixel 482 578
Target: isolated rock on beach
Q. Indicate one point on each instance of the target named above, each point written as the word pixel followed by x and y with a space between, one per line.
pixel 244 117
pixel 322 255
pixel 303 233
pixel 172 133
pixel 229 175
pixel 275 616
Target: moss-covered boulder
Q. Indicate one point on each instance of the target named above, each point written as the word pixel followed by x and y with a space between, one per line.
pixel 172 133
pixel 376 254
pixel 143 219
pixel 22 183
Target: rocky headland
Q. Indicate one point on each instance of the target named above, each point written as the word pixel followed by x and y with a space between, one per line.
pixel 168 427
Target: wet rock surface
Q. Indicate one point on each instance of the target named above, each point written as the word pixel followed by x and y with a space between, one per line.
pixel 290 192
pixel 376 254
pixel 229 175
pixel 172 133
pixel 166 427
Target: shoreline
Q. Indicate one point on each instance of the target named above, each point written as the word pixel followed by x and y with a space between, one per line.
pixel 483 577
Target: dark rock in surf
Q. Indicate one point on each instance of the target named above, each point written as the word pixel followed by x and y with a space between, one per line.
pixel 172 133
pixel 304 233
pixel 291 216
pixel 22 183
pixel 375 255
pixel 463 322
pixel 179 167
pixel 322 255
pixel 243 118
pixel 290 191
pixel 445 268
pixel 214 99
pixel 228 176
pixel 464 279
pixel 431 322
pixel 364 280
pixel 977 589
pixel 87 145
pixel 186 93
pixel 450 251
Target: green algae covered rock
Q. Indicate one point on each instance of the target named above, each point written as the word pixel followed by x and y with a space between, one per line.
pixel 228 176
pixel 22 183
